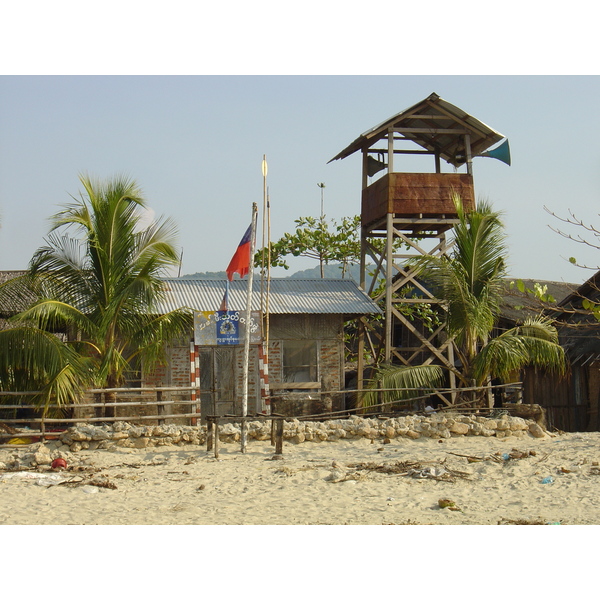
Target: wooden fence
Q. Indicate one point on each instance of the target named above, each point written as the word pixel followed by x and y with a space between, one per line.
pixel 156 402
pixel 161 410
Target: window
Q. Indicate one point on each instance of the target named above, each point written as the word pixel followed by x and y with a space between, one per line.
pixel 300 361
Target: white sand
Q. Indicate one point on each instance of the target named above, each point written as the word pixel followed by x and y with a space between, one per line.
pixel 186 485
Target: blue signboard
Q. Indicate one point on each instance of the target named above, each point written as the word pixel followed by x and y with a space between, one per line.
pixel 228 327
pixel 225 328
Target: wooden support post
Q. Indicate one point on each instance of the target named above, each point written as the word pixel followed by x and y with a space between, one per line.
pixel 216 436
pixel 160 409
pixel 209 434
pixel 43 427
pixel 244 434
pixel 274 406
pixel 98 409
pixel 279 437
pixel 389 259
pixel 390 150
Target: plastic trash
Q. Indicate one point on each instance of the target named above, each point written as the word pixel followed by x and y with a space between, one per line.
pixel 548 480
pixel 38 478
pixel 506 456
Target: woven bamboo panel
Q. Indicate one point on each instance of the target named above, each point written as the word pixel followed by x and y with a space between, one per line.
pixel 416 195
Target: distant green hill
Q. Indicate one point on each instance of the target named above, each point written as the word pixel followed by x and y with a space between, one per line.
pixel 206 275
pixel 331 272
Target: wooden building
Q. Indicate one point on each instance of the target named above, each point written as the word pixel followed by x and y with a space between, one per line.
pixel 297 350
pixel 571 402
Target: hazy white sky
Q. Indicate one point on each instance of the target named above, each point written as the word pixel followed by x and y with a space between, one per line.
pixel 195 141
pixel 195 145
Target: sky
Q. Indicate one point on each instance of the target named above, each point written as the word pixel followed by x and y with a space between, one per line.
pixel 187 104
pixel 195 145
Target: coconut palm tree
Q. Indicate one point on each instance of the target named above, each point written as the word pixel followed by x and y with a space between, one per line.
pixel 470 280
pixel 38 361
pixel 102 287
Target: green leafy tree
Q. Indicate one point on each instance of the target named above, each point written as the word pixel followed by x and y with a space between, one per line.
pixel 101 288
pixel 319 239
pixel 470 280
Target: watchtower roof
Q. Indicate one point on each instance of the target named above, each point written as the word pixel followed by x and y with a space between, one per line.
pixel 435 125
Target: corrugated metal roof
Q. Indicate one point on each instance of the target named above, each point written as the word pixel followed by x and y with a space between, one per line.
pixel 438 114
pixel 6 275
pixel 517 306
pixel 287 296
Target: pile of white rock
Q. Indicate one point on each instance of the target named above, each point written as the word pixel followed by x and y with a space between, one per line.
pixel 436 426
pixel 29 457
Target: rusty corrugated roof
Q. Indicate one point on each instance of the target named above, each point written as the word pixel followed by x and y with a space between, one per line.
pixel 287 296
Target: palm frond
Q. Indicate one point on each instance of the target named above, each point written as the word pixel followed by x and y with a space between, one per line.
pixel 153 332
pixel 535 343
pixel 470 278
pixel 104 281
pixel 34 360
pixel 53 315
pixel 392 383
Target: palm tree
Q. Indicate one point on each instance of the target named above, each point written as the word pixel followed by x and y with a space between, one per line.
pixel 470 281
pixel 103 287
pixel 41 363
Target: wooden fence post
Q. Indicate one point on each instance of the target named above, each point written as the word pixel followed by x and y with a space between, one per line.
pixel 216 437
pixel 160 407
pixel 279 437
pixel 98 409
pixel 209 434
pixel 43 426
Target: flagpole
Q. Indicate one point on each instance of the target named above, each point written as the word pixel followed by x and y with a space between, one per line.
pixel 267 318
pixel 262 262
pixel 247 329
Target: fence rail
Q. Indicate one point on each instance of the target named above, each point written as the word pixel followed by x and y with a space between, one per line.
pixel 161 415
pixel 43 420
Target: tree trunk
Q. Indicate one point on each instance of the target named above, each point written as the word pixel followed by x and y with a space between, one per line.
pixel 98 410
pixel 109 398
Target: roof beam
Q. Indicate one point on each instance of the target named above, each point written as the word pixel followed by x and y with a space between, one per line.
pixel 455 130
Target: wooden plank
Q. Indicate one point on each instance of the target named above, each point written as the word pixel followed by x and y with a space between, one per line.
pixel 295 385
pixel 210 435
pixel 434 130
pixel 422 194
pixel 101 419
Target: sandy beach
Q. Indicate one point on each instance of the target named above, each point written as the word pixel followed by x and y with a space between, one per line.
pixel 459 481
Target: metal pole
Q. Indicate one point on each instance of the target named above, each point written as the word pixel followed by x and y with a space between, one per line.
pixel 267 317
pixel 247 329
pixel 264 229
pixel 322 186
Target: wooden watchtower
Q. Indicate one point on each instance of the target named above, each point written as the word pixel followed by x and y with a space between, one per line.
pixel 414 211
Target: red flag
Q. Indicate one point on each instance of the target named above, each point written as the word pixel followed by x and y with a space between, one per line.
pixel 240 263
